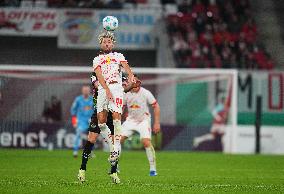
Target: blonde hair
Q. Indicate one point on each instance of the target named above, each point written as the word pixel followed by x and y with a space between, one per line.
pixel 106 34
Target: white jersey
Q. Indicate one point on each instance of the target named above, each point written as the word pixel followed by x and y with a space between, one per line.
pixel 138 104
pixel 110 67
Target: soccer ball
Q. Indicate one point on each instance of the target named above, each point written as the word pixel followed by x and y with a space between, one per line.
pixel 110 23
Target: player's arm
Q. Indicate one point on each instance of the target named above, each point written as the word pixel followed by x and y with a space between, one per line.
pixel 131 85
pixel 128 70
pixel 74 110
pixel 157 112
pixel 216 111
pixel 155 105
pixel 103 83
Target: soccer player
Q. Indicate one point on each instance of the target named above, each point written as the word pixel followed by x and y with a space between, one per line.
pixel 215 137
pixel 107 67
pixel 94 132
pixel 81 111
pixel 137 102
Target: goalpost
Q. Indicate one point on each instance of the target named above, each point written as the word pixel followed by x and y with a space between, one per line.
pixel 188 98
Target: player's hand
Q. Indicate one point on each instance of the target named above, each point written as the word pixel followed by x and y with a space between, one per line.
pixel 131 79
pixel 156 128
pixel 109 95
pixel 74 121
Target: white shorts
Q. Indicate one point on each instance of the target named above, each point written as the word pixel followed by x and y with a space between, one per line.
pixel 104 104
pixel 143 128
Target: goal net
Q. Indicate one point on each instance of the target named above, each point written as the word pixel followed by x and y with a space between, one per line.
pixel 197 106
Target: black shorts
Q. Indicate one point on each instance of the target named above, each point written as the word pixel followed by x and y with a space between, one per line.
pixel 94 127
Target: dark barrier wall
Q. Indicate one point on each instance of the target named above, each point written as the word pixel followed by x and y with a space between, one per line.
pixel 15 134
pixel 44 51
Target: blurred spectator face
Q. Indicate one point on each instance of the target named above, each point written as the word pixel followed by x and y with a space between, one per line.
pixel 70 3
pixel 86 91
pixel 54 3
pixel 255 49
pixel 212 2
pixel 54 100
pixel 242 45
pixel 234 18
pixel 12 3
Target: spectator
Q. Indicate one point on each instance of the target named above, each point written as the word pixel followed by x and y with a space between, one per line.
pixel 217 34
pixel 234 25
pixel 54 3
pixel 1 98
pixel 115 4
pixel 180 47
pixel 86 3
pixel 249 31
pixel 70 4
pixel 46 112
pixel 98 4
pixel 55 109
pixel 52 111
pixel 10 3
pixel 184 7
pixel 168 1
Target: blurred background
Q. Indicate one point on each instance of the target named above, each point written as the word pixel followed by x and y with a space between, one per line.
pixel 215 66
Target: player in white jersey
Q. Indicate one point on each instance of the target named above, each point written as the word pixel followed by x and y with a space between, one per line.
pixel 107 67
pixel 137 102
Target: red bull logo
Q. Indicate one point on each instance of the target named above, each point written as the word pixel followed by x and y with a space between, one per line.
pixel 87 108
pixel 108 60
pixel 135 106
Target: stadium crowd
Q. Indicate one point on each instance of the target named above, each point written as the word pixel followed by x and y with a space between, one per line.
pixel 203 33
pixel 216 34
pixel 106 4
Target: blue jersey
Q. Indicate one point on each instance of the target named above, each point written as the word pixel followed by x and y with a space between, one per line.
pixel 83 109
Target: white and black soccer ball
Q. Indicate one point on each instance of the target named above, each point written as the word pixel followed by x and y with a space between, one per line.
pixel 110 23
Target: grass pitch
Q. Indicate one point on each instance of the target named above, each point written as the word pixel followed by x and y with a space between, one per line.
pixel 40 171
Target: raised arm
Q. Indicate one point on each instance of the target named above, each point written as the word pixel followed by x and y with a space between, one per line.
pixel 126 67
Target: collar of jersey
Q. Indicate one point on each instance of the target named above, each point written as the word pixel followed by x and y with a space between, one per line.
pixel 105 53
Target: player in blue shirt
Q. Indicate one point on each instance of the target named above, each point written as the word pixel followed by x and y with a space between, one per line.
pixel 81 111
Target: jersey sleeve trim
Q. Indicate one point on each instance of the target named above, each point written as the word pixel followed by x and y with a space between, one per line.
pixel 154 104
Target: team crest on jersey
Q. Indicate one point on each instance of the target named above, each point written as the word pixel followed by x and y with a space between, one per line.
pixel 134 106
pixel 108 60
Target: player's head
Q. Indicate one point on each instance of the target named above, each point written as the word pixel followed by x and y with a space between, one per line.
pixel 106 40
pixel 137 85
pixel 86 90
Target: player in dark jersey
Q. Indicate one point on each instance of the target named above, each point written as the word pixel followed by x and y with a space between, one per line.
pixel 94 130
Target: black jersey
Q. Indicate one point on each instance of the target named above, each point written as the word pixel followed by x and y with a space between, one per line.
pixel 94 89
pixel 93 126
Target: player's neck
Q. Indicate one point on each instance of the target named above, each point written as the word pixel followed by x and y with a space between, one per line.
pixel 136 90
pixel 105 52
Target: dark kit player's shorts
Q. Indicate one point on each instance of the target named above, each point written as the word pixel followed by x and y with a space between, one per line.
pixel 94 127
